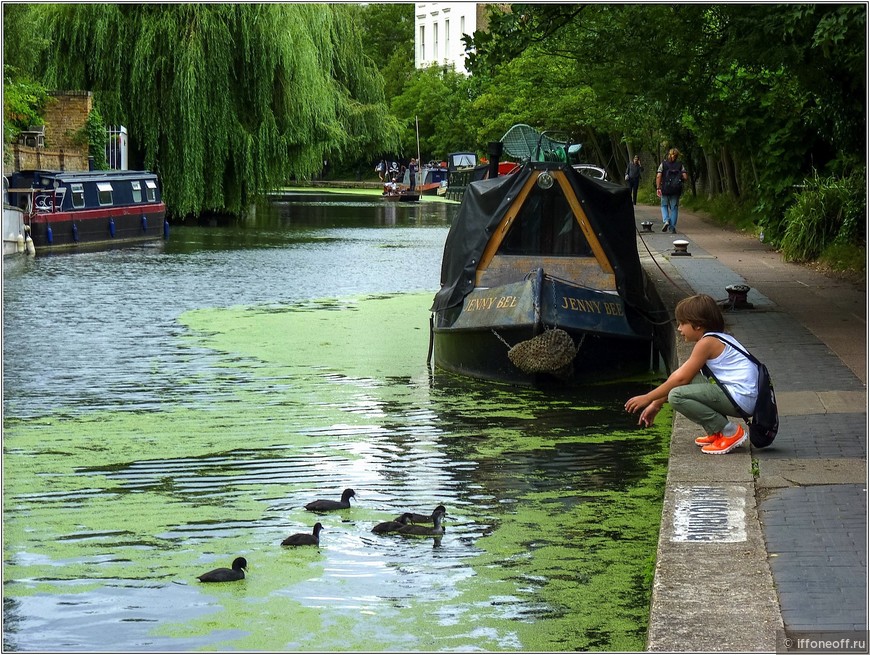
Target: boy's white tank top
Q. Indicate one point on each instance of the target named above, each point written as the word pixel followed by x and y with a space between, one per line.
pixel 737 372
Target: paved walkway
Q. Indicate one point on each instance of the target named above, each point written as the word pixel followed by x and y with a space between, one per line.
pixel 763 545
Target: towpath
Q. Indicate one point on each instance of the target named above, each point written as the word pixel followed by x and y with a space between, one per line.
pixel 763 547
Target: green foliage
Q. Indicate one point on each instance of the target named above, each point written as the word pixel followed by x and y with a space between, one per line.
pixel 23 105
pixel 827 211
pixel 755 96
pixel 847 258
pixel 438 99
pixel 388 38
pixel 223 101
pixel 724 209
pixel 95 133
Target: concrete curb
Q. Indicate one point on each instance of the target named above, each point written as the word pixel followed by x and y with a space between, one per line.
pixel 713 589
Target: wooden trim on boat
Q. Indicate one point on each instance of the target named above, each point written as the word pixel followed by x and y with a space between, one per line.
pixel 594 243
pixel 504 226
pixel 499 234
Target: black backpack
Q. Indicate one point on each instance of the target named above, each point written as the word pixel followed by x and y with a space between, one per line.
pixel 672 178
pixel 764 422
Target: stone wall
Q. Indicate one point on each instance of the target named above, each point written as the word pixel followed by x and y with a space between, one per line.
pixel 66 147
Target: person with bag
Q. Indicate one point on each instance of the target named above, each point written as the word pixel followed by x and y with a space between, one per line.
pixel 669 187
pixel 632 176
pixel 700 321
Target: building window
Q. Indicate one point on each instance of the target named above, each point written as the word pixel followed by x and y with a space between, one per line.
pixel 462 24
pixel 446 38
pixel 137 190
pixel 78 195
pixel 104 193
pixel 422 43
pixel 435 42
pixel 151 190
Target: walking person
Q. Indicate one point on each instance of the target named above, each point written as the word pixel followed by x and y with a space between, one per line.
pixel 632 176
pixel 700 321
pixel 669 187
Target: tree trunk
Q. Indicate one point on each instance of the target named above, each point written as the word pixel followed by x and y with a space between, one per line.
pixel 714 180
pixel 729 173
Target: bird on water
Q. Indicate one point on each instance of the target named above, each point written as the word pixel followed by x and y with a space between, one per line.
pixel 436 529
pixel 303 538
pixel 225 574
pixel 326 505
pixel 423 518
pixel 393 526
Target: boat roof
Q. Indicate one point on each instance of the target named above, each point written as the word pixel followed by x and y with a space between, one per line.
pixel 86 176
pixel 607 206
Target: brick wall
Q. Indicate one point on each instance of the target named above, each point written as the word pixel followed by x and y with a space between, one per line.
pixel 65 148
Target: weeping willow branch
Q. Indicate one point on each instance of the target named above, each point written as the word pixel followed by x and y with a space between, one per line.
pixel 224 101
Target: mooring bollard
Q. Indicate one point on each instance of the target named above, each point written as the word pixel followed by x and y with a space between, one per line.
pixel 647 226
pixel 737 297
pixel 681 248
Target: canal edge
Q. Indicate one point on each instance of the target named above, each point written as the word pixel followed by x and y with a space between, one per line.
pixel 713 588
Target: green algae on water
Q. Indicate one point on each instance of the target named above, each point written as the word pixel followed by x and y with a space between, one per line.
pixel 554 499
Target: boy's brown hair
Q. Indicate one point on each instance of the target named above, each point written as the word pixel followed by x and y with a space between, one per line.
pixel 701 311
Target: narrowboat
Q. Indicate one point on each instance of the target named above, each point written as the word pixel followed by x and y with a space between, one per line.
pixel 68 209
pixel 541 282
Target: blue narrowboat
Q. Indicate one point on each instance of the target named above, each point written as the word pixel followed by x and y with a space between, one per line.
pixel 66 209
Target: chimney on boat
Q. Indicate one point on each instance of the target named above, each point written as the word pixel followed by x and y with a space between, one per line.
pixel 494 150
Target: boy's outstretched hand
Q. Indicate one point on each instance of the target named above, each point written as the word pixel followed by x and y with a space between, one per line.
pixel 650 409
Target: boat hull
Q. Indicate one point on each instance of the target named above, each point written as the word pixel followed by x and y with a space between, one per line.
pixel 13 228
pixel 98 227
pixel 480 354
pixel 475 338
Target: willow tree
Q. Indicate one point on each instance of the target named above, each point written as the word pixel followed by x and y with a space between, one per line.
pixel 224 100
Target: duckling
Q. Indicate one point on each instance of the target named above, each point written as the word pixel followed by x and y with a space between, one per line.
pixel 303 538
pixel 326 505
pixel 392 526
pixel 436 530
pixel 425 518
pixel 225 574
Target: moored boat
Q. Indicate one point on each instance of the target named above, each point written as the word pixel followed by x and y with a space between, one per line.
pixel 16 235
pixel 66 209
pixel 541 281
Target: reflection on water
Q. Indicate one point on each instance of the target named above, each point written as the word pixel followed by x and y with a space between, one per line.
pixel 166 410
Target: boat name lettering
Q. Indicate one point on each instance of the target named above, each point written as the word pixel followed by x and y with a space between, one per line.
pixel 501 302
pixel 592 306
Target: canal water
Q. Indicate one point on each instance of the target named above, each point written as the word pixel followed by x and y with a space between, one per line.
pixel 169 408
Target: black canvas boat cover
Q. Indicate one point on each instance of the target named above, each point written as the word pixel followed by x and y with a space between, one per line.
pixel 609 210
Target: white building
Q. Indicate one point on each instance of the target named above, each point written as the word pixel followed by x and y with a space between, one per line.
pixel 438 31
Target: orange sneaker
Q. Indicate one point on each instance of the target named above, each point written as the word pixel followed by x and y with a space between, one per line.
pixel 710 438
pixel 726 444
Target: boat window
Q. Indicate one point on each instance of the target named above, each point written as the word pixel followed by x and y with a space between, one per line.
pixel 78 195
pixel 151 190
pixel 104 192
pixel 546 225
pixel 137 190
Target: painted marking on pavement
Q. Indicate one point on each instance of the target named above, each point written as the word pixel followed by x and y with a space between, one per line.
pixel 709 514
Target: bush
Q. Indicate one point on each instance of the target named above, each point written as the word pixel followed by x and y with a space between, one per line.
pixel 827 211
pixel 23 105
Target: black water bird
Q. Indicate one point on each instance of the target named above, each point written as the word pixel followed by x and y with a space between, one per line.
pixel 424 518
pixel 326 505
pixel 393 526
pixel 303 538
pixel 436 530
pixel 225 574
